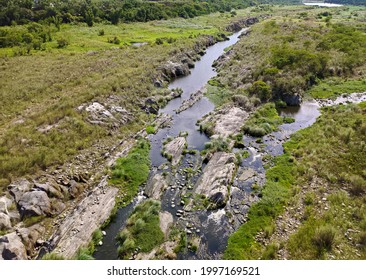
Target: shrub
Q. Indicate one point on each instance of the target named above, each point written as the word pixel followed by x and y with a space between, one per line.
pixel 324 237
pixel 62 43
pixel 357 185
pixel 101 32
pixel 150 129
pixel 260 89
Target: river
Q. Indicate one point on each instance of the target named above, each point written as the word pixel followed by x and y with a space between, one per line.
pixel 213 227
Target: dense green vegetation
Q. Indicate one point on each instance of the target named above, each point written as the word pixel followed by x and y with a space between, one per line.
pixel 263 121
pixel 333 87
pixel 40 125
pixel 113 11
pixel 131 171
pixel 288 54
pixel 142 230
pixel 327 152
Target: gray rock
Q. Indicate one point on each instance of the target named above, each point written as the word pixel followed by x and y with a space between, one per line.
pixel 165 220
pixel 175 148
pixel 35 203
pixel 156 186
pixel 57 206
pixel 12 248
pixel 216 178
pixel 52 191
pixel 173 69
pixel 5 203
pixel 247 174
pixel 17 189
pixel 29 237
pixel 77 228
pixel 5 223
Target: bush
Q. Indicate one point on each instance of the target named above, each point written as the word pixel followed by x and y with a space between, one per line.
pixel 357 185
pixel 150 129
pixel 261 89
pixel 62 43
pixel 101 32
pixel 324 237
pixel 114 40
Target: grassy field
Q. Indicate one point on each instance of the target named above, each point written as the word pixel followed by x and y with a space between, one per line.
pixel 40 125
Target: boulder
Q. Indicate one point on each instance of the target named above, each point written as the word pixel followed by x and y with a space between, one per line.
pixel 5 203
pixel 216 178
pixel 34 203
pixel 175 148
pixel 229 121
pixel 292 99
pixel 29 237
pixel 12 248
pixel 156 186
pixel 165 220
pixel 151 106
pixel 17 189
pixel 174 69
pixel 5 223
pixel 51 190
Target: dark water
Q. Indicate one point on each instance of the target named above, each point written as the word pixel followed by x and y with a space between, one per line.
pixel 186 120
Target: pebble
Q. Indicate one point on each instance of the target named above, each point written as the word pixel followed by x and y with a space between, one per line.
pixel 100 243
pixel 104 233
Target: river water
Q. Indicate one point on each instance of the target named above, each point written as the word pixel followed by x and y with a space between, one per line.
pixel 212 227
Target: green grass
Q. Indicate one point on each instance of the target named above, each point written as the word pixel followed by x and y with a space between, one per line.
pixel 150 129
pixel 264 120
pixel 142 230
pixel 131 171
pixel 218 95
pixel 332 88
pixel 88 70
pixel 275 193
pixel 331 150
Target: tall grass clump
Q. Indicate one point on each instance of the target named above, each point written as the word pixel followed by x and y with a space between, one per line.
pixel 142 230
pixel 131 171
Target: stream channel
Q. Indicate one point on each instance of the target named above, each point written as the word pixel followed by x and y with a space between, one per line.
pixel 211 227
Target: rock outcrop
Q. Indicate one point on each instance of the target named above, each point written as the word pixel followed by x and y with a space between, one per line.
pixel 107 113
pixel 165 220
pixel 217 177
pixel 226 121
pixel 34 203
pixel 173 150
pixel 12 248
pixel 155 188
pixel 5 222
pixel 79 226
pixel 175 69
pixel 30 236
pixel 238 25
pixel 194 98
pixel 292 99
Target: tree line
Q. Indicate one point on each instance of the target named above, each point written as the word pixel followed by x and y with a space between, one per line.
pixel 113 11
